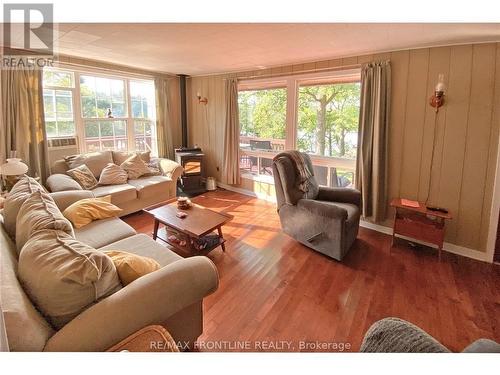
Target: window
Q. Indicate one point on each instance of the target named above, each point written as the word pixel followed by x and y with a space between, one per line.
pixel 58 103
pixel 142 96
pixel 104 112
pixel 314 114
pixel 263 126
pixel 327 126
pixel 106 135
pixel 102 97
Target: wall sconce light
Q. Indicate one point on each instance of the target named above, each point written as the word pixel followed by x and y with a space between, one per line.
pixel 437 100
pixel 201 99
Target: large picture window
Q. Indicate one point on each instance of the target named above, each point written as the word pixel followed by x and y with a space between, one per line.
pixel 314 114
pixel 104 112
pixel 263 128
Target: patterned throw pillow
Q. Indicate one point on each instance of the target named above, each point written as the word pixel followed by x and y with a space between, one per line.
pixel 113 174
pixel 135 167
pixel 84 176
pixel 154 168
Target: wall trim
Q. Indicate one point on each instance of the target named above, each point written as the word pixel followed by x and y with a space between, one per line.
pixel 448 247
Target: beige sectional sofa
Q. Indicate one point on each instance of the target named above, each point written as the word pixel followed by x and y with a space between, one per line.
pixel 132 196
pixel 171 296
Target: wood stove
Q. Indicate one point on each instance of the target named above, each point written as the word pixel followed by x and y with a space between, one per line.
pixel 191 160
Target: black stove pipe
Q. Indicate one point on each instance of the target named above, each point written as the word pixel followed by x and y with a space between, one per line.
pixel 182 86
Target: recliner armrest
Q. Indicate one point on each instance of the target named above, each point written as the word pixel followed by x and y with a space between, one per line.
pixel 342 195
pixel 323 209
pixel 151 299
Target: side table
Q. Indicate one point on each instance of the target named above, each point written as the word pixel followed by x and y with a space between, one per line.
pixel 419 223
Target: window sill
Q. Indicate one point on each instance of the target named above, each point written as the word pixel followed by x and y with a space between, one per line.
pixel 259 178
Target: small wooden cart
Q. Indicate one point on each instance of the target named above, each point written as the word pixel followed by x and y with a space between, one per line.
pixel 419 223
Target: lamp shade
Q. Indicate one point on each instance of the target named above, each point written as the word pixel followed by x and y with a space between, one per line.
pixel 13 167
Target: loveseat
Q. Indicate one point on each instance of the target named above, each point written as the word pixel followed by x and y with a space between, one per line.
pixel 133 196
pixel 171 296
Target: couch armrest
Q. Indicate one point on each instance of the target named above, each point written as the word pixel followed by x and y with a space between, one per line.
pixel 170 168
pixel 342 195
pixel 61 182
pixel 64 199
pixel 322 209
pixel 149 300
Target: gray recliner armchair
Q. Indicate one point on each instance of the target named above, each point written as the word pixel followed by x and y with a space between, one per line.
pixel 324 219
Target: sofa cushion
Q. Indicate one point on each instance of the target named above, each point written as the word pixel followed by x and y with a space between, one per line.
pixel 135 167
pixel 143 245
pixel 26 328
pixel 131 266
pixel 151 186
pixel 120 156
pixel 39 212
pixel 14 200
pixel 103 232
pixel 113 174
pixel 119 193
pixel 96 161
pixel 63 276
pixel 83 175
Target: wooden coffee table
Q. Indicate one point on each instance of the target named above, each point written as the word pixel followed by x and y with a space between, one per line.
pixel 200 222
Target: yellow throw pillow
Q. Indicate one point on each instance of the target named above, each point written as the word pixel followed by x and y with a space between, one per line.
pixel 131 266
pixel 87 210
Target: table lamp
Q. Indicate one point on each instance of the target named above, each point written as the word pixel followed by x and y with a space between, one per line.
pixel 11 171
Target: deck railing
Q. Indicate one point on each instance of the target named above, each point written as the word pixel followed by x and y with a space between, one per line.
pixel 329 171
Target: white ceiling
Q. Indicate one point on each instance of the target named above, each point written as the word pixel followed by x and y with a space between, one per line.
pixel 197 49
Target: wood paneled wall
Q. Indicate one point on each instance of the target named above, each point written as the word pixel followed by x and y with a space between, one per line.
pixel 467 133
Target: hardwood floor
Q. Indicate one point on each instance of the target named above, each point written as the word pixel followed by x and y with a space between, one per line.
pixel 275 293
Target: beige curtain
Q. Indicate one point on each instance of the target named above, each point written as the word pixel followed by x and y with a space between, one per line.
pixel 23 123
pixel 163 123
pixel 371 167
pixel 232 134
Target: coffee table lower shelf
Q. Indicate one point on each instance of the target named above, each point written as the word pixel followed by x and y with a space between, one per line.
pixel 188 250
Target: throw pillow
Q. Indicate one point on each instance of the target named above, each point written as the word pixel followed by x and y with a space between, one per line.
pixel 95 161
pixel 120 156
pixel 14 200
pixel 84 176
pixel 113 174
pixel 63 276
pixel 154 168
pixel 86 210
pixel 135 167
pixel 39 212
pixel 131 266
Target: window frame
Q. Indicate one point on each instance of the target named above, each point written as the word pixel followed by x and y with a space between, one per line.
pixel 77 107
pixel 292 84
pixel 72 89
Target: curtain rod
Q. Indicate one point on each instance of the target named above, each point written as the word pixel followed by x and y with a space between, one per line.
pixel 121 69
pixel 287 74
